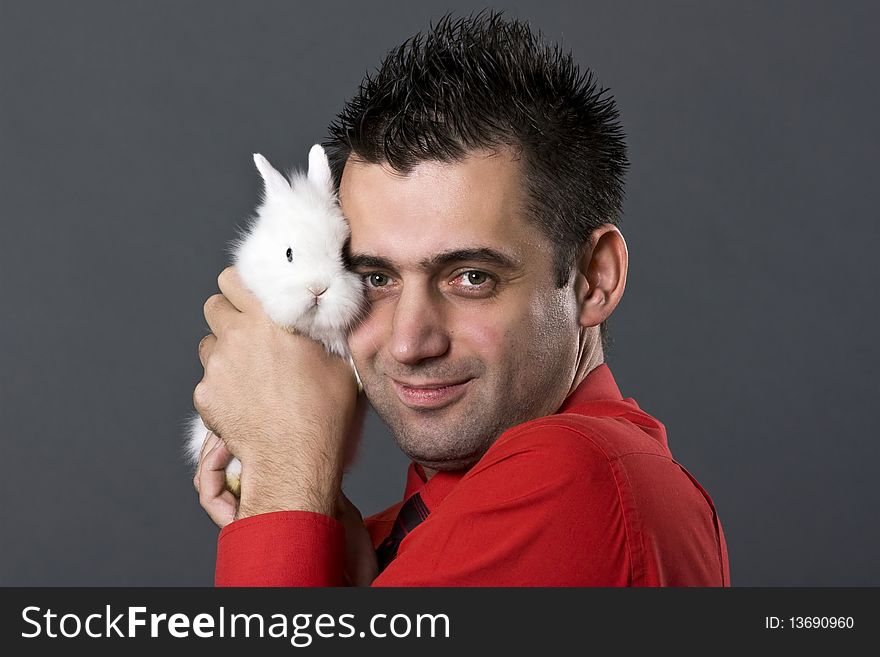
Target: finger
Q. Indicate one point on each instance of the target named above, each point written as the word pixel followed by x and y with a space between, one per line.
pixel 211 440
pixel 224 507
pixel 206 346
pixel 236 293
pixel 219 313
pixel 219 503
pixel 208 444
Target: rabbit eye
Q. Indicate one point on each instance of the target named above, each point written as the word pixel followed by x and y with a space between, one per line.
pixel 289 254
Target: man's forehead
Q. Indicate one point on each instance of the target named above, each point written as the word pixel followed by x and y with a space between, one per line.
pixel 437 207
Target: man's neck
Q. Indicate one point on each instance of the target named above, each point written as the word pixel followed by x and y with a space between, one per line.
pixel 590 356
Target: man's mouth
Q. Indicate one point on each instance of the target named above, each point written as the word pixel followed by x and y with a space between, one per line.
pixel 429 394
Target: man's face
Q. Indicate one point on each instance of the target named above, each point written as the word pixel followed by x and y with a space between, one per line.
pixel 466 333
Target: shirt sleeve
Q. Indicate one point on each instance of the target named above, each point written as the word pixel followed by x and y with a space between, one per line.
pixel 541 510
pixel 284 548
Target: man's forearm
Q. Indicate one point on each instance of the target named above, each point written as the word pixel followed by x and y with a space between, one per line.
pixel 310 482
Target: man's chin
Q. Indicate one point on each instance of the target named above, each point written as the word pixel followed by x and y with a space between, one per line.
pixel 448 446
pixel 444 464
pixel 443 438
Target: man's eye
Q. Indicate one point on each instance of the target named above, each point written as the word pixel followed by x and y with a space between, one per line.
pixel 377 280
pixel 473 278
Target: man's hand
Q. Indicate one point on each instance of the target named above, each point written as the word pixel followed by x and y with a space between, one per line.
pixel 279 401
pixel 361 567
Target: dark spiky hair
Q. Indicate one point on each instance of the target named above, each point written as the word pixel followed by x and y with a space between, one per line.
pixel 484 82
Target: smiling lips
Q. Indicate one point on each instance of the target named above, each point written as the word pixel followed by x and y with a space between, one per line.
pixel 429 395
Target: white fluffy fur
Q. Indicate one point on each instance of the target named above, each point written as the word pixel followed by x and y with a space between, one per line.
pixel 302 215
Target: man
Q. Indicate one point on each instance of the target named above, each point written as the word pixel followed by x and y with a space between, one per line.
pixel 481 174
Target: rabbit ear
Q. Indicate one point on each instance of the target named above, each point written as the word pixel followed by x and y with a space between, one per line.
pixel 319 169
pixel 273 180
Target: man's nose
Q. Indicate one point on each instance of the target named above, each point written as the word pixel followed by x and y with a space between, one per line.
pixel 418 331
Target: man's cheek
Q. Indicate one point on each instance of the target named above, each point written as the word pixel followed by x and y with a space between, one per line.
pixel 486 339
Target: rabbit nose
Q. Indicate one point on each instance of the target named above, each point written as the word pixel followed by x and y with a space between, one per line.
pixel 317 289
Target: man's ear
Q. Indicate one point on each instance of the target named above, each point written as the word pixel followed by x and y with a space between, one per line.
pixel 600 277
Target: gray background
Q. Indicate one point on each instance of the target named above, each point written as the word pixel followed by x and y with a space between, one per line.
pixel 125 138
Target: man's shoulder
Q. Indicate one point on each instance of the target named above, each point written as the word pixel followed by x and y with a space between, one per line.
pixel 566 459
pixel 580 437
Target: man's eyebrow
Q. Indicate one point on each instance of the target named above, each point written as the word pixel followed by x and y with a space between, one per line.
pixel 364 260
pixel 481 254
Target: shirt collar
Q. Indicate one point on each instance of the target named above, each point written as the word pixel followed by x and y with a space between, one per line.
pixel 598 385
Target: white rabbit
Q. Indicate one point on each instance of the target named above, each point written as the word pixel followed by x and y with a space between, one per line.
pixel 290 257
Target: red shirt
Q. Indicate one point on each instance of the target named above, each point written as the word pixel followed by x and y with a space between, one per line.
pixel 588 496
